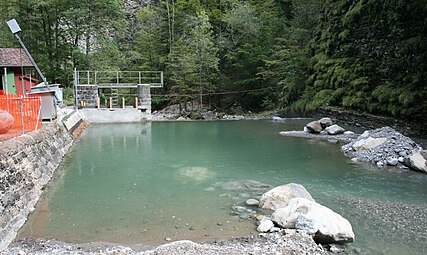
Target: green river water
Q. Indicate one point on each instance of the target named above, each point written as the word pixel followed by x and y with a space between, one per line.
pixel 124 183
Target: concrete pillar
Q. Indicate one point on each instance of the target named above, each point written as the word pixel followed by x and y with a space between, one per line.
pixel 144 98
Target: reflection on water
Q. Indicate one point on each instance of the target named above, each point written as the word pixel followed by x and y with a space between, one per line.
pixel 142 183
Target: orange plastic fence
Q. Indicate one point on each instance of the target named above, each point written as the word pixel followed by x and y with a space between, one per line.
pixel 25 110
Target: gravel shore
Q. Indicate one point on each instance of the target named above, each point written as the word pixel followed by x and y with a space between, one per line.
pixel 289 242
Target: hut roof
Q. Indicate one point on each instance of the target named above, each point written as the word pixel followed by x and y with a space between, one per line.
pixel 14 57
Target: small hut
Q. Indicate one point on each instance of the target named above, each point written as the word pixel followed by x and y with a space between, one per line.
pixel 17 72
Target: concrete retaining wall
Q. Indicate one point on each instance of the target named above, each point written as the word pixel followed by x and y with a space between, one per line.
pixel 27 164
pixel 118 115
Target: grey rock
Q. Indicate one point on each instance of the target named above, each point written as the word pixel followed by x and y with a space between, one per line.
pixel 265 226
pixel 368 143
pixel 314 127
pixel 417 162
pixel 245 215
pixel 279 197
pixel 252 202
pixel 349 133
pixel 336 248
pixel 326 122
pixel 335 130
pixel 249 185
pixel 313 218
pixel 392 161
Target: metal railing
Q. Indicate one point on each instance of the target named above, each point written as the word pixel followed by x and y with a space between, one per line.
pixel 107 79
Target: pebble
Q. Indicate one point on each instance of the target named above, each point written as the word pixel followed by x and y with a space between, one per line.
pixel 252 202
pixel 168 239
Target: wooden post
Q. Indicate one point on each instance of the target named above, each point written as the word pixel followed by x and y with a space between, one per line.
pixel 123 102
pixel 111 103
pixel 136 102
pixel 98 102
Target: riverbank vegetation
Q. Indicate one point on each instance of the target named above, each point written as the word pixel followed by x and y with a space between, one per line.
pixel 363 55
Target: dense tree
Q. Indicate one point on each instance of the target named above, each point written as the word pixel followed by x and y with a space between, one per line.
pixel 194 59
pixel 367 55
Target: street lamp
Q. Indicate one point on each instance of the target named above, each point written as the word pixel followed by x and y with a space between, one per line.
pixel 15 29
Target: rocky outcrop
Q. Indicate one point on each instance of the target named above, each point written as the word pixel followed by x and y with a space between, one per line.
pixel 382 146
pixel 6 121
pixel 418 161
pixel 280 196
pixel 325 225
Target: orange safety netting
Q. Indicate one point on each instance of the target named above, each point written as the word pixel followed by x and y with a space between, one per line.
pixel 25 110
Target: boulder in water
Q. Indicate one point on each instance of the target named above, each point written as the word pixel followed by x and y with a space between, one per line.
pixel 244 185
pixel 281 195
pixel 325 225
pixel 195 173
pixel 252 202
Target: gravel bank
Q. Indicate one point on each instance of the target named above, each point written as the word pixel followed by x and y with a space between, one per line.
pixel 331 138
pixel 291 242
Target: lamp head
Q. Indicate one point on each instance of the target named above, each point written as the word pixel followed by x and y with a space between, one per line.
pixel 13 26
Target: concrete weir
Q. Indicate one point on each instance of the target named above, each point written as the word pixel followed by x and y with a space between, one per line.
pixel 116 115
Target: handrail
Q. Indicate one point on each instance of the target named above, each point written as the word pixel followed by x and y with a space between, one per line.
pixel 154 78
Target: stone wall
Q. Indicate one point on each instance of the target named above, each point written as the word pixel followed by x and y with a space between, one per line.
pixel 87 94
pixel 27 164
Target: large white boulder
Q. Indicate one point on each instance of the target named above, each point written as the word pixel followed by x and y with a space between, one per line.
pixel 280 196
pixel 335 130
pixel 368 143
pixel 417 161
pixel 325 225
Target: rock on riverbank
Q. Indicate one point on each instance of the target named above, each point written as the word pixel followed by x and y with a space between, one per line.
pixel 294 208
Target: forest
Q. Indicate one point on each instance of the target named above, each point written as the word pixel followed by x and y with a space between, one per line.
pixel 369 56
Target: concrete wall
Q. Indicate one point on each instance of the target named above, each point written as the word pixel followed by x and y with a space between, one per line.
pixel 118 115
pixel 27 164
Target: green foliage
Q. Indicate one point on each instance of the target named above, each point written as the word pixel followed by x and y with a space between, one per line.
pixel 365 55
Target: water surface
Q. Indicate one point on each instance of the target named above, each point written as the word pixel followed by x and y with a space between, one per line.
pixel 127 183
